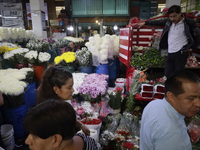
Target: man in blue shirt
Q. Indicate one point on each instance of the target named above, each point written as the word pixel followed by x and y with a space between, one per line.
pixel 162 125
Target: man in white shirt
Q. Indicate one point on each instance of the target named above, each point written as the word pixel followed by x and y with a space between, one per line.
pixel 180 36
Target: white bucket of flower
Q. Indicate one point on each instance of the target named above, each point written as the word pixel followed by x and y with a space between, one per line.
pixel 92 123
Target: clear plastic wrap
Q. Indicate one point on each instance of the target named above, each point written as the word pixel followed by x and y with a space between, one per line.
pixel 194 130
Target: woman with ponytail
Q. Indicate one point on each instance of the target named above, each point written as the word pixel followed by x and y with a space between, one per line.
pixel 57 83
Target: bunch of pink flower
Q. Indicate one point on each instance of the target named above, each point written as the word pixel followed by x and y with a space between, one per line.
pixel 94 84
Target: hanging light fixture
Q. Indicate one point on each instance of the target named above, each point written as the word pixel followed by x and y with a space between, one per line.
pixel 80 27
pixel 70 28
pixel 115 27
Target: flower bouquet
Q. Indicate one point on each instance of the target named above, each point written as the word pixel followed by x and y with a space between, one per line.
pixel 139 77
pixel 94 85
pixel 116 98
pixel 84 57
pixel 122 133
pixel 67 61
pixel 194 130
pixel 85 110
pixel 17 56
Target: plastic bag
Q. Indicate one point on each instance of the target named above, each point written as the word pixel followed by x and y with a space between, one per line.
pixel 194 130
pixel 105 109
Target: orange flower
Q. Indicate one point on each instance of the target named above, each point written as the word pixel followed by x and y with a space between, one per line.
pixel 143 78
pixel 141 73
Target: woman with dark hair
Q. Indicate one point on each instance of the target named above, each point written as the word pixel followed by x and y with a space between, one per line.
pixel 51 125
pixel 57 83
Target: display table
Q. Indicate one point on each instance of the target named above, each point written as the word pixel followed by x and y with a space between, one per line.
pixel 139 98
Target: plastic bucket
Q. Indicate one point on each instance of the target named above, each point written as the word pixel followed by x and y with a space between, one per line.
pixel 15 117
pixel 102 69
pixel 7 136
pixel 30 95
pixel 112 68
pixel 38 72
pixel 19 66
pixel 9 142
pixel 86 69
pixel 7 64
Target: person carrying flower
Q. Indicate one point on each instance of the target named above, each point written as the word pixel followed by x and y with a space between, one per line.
pixel 57 83
pixel 51 126
pixel 163 126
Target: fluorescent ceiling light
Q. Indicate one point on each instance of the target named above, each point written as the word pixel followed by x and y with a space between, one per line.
pixel 9 17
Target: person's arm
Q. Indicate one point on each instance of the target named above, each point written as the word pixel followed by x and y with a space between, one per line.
pixel 153 22
pixel 1 99
pixel 83 127
pixel 196 37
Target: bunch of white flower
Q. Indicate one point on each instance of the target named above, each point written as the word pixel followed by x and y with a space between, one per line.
pixel 108 135
pixel 10 83
pixel 44 57
pixel 10 54
pixel 73 39
pixel 34 59
pixel 78 80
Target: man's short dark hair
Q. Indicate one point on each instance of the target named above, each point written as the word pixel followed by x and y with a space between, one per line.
pixel 49 118
pixel 174 83
pixel 174 9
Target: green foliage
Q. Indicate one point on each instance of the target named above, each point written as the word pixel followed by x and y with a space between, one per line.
pixel 149 58
pixel 115 100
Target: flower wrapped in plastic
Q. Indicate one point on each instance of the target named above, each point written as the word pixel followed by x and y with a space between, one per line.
pixel 132 123
pixel 84 57
pixel 139 77
pixel 109 127
pixel 194 130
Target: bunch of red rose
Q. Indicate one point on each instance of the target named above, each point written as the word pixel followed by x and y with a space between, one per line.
pixel 90 121
pixel 123 131
pixel 128 145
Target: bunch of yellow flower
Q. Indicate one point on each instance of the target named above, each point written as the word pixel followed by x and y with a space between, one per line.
pixel 5 49
pixel 68 57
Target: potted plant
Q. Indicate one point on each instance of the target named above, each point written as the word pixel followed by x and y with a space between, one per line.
pixel 66 61
pixel 17 57
pixel 84 59
pixel 38 60
pixel 116 98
